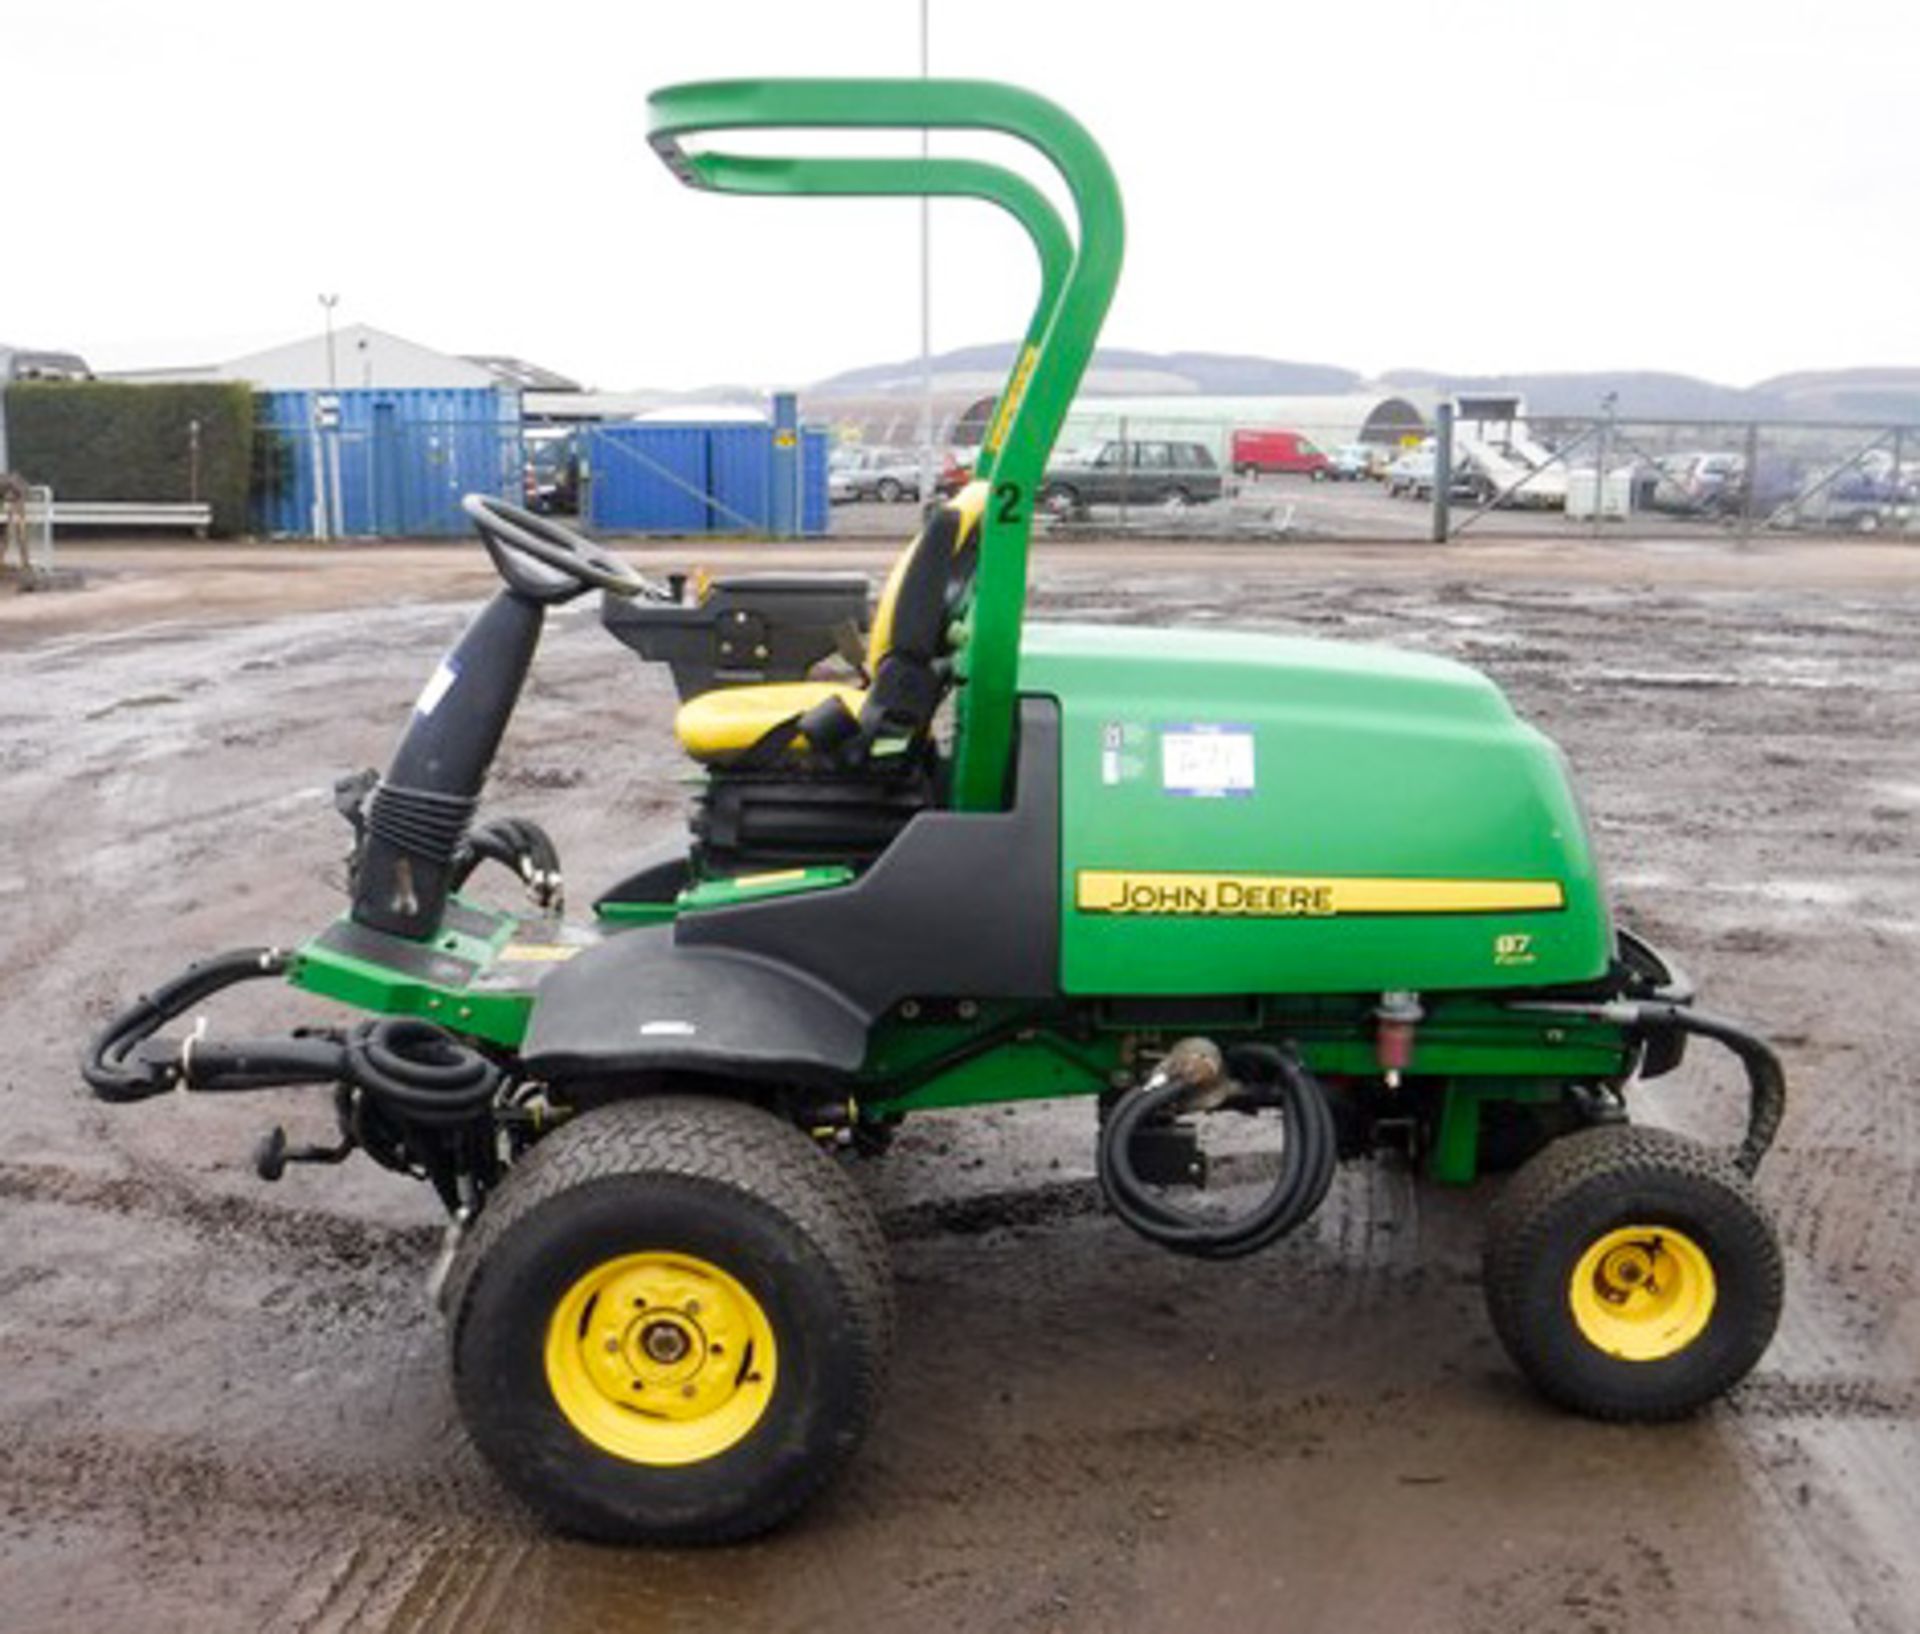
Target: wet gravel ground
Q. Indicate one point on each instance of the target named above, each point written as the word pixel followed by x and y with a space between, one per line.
pixel 224 1405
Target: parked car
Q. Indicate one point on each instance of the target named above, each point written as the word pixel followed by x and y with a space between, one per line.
pixel 1138 473
pixel 955 474
pixel 550 473
pixel 873 473
pixel 1411 476
pixel 1865 496
pixel 890 474
pixel 1257 452
pixel 1351 462
pixel 1700 484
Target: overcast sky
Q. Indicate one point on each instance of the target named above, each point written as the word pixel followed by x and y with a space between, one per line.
pixel 1720 187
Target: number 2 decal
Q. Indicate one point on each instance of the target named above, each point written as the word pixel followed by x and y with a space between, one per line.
pixel 1008 493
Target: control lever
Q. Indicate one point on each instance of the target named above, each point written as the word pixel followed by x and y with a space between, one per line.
pixel 272 1153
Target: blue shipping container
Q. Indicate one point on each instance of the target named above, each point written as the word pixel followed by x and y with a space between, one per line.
pixel 647 478
pixel 395 464
pixel 740 470
pixel 695 478
pixel 814 509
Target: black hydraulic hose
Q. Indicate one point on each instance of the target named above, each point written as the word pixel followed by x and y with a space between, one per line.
pixel 416 1071
pixel 111 1068
pixel 519 845
pixel 1766 1078
pixel 1267 1076
pixel 221 1065
pixel 419 1072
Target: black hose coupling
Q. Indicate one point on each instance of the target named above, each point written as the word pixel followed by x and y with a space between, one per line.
pixel 1196 1077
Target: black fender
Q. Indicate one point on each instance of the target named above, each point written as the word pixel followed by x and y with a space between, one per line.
pixel 640 1002
pixel 959 905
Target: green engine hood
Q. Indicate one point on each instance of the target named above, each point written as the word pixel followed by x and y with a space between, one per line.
pixel 1245 813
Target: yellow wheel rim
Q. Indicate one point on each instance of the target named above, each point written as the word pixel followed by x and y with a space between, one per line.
pixel 1643 1293
pixel 660 1358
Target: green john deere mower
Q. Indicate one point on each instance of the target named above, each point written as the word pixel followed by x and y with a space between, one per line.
pixel 1331 898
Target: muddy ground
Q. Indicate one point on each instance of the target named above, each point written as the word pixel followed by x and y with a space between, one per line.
pixel 223 1405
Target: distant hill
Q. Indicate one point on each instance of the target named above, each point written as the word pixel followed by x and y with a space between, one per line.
pixel 1847 394
pixel 1115 370
pixel 969 372
pixel 1644 393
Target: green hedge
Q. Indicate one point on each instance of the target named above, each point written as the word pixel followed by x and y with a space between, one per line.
pixel 107 440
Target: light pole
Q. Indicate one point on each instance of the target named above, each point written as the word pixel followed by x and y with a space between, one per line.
pixel 1603 457
pixel 327 479
pixel 328 303
pixel 926 301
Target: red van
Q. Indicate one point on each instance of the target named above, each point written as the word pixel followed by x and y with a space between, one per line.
pixel 1256 451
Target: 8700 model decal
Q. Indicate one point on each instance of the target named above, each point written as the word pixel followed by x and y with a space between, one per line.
pixel 1276 896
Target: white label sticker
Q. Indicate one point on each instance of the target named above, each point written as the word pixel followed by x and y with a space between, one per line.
pixel 1206 760
pixel 439 684
pixel 667 1029
pixel 1125 748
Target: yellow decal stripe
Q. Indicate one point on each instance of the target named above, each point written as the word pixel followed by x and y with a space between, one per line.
pixel 1278 896
pixel 536 953
pixel 1016 389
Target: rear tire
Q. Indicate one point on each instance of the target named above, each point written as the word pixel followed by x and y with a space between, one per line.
pixel 1632 1274
pixel 888 491
pixel 697 1255
pixel 1058 500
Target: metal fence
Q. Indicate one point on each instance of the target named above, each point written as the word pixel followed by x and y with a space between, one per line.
pixel 1691 478
pixel 367 464
pixel 1205 476
pixel 377 475
pixel 26 531
pixel 1549 477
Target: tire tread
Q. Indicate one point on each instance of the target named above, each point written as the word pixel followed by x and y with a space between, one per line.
pixel 1520 1225
pixel 731 1145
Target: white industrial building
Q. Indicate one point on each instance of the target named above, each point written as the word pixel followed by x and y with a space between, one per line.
pixel 359 357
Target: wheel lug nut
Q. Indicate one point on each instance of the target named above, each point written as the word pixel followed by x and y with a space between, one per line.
pixel 693 1307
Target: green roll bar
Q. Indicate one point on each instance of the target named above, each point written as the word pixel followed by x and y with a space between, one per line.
pixel 933 178
pixel 1060 339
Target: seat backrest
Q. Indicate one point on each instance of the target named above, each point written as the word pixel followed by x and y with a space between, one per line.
pixel 912 600
pixel 908 636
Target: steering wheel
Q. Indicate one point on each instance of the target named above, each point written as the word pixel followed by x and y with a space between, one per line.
pixel 540 558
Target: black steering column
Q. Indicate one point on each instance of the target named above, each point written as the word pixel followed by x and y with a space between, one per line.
pixel 413 820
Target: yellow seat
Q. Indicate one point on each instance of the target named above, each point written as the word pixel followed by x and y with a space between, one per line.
pixel 732 720
pixel 718 725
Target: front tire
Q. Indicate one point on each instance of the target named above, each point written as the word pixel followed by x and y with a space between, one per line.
pixel 671 1323
pixel 1632 1274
